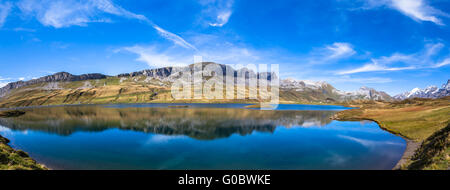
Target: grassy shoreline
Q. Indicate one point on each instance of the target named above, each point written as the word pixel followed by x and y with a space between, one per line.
pixel 11 159
pixel 418 121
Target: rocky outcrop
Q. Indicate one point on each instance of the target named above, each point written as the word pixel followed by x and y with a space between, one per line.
pixel 167 72
pixel 156 73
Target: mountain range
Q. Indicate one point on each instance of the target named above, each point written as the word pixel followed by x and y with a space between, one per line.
pixel 153 85
pixel 321 90
pixel 429 92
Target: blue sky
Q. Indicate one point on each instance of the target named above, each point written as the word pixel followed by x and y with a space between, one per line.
pixel 391 45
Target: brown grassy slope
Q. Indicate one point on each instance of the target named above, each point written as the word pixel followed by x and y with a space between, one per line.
pixel 139 89
pixel 112 90
pixel 434 152
pixel 414 119
pixel 86 92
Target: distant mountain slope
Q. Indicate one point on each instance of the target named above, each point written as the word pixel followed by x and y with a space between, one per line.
pixel 323 91
pixel 153 85
pixel 57 77
pixel 429 92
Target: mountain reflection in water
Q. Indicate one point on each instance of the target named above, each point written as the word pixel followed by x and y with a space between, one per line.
pixel 197 123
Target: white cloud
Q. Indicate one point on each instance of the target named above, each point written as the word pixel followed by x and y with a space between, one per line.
pixel 218 11
pixel 213 51
pixel 156 58
pixel 59 14
pixel 373 67
pixel 340 50
pixel 20 29
pixel 234 55
pixel 66 13
pixel 366 80
pixel 4 81
pixel 1 78
pixel 2 84
pixel 348 79
pixel 442 63
pixel 109 7
pixel 5 9
pixel 418 10
pixel 330 53
pixel 398 62
pixel 173 37
pixel 222 19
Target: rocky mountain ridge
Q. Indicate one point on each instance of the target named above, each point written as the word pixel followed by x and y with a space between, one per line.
pixel 168 73
pixel 57 77
pixel 290 89
pixel 334 94
pixel 429 92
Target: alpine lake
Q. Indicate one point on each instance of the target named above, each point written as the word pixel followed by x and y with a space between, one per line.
pixel 200 136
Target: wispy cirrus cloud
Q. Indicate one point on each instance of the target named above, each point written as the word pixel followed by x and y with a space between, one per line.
pixel 2 79
pixel 339 50
pixel 399 62
pixel 218 11
pixel 222 18
pixel 59 14
pixel 349 79
pixel 20 29
pixel 445 62
pixel 419 10
pixel 5 9
pixel 66 13
pixel 330 53
pixel 173 37
pixel 370 67
pixel 156 57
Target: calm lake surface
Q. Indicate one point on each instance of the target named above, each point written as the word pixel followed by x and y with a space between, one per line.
pixel 202 136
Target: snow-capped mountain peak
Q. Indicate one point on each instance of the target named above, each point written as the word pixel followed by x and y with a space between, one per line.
pixel 415 90
pixel 429 92
pixel 315 87
pixel 302 84
pixel 446 86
